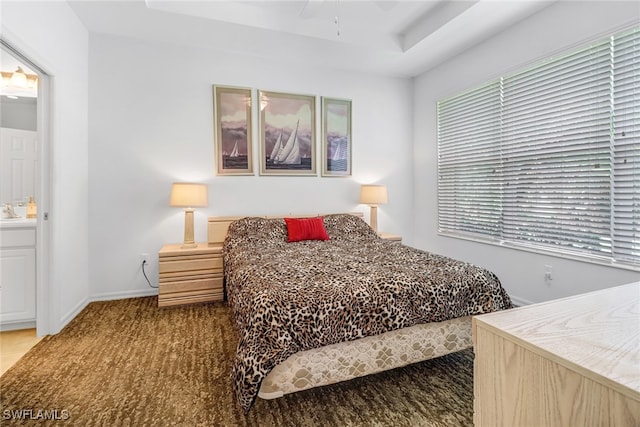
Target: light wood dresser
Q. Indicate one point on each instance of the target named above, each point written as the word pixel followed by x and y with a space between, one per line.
pixel 569 362
pixel 390 236
pixel 190 275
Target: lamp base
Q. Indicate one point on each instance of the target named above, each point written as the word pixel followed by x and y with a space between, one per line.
pixel 374 217
pixel 188 229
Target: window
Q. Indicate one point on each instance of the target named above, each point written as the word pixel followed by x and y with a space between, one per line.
pixel 549 158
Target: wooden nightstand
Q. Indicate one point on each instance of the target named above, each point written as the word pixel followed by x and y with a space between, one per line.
pixel 389 236
pixel 190 275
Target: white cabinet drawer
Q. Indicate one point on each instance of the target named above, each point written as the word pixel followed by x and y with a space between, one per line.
pixel 17 285
pixel 16 237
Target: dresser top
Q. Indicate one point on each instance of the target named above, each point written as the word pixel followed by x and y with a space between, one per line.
pixel 176 249
pixel 597 334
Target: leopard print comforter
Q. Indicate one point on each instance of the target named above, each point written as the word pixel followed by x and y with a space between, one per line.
pixel 288 297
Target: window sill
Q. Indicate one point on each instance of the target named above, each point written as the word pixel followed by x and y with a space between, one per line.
pixel 548 252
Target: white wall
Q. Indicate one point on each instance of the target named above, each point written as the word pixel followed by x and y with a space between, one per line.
pixel 554 29
pixel 150 124
pixel 50 35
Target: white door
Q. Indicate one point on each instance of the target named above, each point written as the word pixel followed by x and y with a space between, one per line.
pixel 18 165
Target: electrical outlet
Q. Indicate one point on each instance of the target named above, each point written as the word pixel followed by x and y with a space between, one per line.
pixel 144 258
pixel 548 276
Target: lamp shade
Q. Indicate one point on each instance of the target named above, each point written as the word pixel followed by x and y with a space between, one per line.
pixel 373 194
pixel 188 195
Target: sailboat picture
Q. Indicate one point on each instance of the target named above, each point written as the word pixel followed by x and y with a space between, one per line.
pixel 232 123
pixel 336 137
pixel 235 152
pixel 287 134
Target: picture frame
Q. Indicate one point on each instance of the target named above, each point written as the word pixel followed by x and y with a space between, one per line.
pixel 287 134
pixel 336 137
pixel 233 130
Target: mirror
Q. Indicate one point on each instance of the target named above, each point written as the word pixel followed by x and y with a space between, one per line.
pixel 19 154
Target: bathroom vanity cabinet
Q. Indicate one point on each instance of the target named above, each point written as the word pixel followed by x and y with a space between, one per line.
pixel 17 274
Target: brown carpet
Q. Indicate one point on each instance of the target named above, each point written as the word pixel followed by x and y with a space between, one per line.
pixel 130 363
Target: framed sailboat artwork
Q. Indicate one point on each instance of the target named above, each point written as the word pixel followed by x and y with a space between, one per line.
pixel 232 130
pixel 287 134
pixel 336 137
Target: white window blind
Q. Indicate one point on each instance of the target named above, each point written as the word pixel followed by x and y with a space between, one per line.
pixel 549 157
pixel 468 188
pixel 626 141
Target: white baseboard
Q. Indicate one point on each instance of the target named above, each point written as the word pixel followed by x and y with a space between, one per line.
pixel 12 326
pixel 108 296
pixel 73 313
pixel 104 297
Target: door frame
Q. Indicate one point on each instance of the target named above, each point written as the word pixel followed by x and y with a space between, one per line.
pixel 46 303
pixel 44 316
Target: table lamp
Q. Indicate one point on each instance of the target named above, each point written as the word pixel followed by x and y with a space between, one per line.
pixel 373 195
pixel 188 196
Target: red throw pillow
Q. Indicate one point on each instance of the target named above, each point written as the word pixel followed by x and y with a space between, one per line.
pixel 305 229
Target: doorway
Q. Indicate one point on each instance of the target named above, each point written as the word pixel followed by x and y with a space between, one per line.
pixel 24 151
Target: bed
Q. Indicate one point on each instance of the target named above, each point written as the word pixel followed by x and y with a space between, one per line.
pixel 327 309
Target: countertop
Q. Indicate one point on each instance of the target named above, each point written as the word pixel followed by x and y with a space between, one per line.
pixel 17 223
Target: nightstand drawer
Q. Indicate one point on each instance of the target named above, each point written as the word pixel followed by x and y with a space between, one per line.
pixel 17 237
pixel 390 236
pixel 178 287
pixel 182 276
pixel 189 291
pixel 206 263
